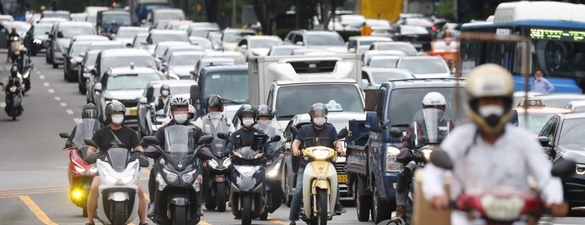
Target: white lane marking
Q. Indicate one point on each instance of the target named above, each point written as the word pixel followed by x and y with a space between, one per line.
pixel 51 91
pixel 2 104
pixel 42 77
pixel 70 112
pixel 77 120
pixel 46 84
pixel 57 98
pixel 63 104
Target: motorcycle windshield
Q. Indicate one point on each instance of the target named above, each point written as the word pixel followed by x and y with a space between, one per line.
pixel 179 140
pixel 118 158
pixel 431 126
pixel 247 153
pixel 269 127
pixel 84 130
pixel 213 123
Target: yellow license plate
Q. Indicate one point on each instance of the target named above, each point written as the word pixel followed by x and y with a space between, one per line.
pixel 342 179
pixel 380 31
pixel 132 111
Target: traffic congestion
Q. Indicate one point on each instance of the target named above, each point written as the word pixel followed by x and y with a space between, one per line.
pixel 140 113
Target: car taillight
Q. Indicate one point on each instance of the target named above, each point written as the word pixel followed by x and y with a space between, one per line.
pixel 434 28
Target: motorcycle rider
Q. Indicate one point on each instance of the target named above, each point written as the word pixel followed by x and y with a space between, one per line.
pixel 245 135
pixel 490 152
pixel 116 131
pixel 163 99
pixel 214 106
pixel 179 112
pixel 12 34
pixel 325 135
pixel 264 118
pixel 89 111
pixel 432 100
pixel 13 80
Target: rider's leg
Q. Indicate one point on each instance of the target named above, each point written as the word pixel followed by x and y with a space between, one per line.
pixel 151 191
pixel 92 199
pixel 141 203
pixel 338 206
pixel 297 199
pixel 402 189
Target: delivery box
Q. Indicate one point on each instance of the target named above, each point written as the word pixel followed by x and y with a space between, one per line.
pixel 423 212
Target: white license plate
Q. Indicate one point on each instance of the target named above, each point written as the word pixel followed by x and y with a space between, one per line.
pixel 131 111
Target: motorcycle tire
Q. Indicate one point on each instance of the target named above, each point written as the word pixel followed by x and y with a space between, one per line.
pixel 179 215
pixel 246 208
pixel 221 197
pixel 322 207
pixel 211 204
pixel 119 214
pixel 264 215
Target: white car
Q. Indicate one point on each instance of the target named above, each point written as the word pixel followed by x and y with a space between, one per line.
pixel 257 45
pixel 355 42
pixel 577 106
pixel 230 38
pixel 369 54
pixel 126 34
pixel 425 66
pixel 374 77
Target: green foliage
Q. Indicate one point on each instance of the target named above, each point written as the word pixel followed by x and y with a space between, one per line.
pixel 346 34
pixel 282 32
pixel 445 10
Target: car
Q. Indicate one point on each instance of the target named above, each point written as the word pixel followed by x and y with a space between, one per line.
pixel 434 66
pixel 382 61
pixel 369 54
pixel 201 42
pixel 86 38
pixel 453 28
pixel 425 23
pixel 215 38
pixel 562 139
pixel 156 36
pixel 418 36
pixel 237 56
pixel 380 28
pixel 205 62
pixel 81 17
pixel 533 114
pixel 228 81
pixel 180 48
pixel 36 39
pixel 257 45
pixel 447 49
pixel 84 70
pixel 328 40
pixel 148 123
pixel 73 58
pixel 197 31
pixel 204 24
pixel 56 14
pixel 230 38
pixel 373 77
pixel 348 22
pixel 126 85
pixel 577 106
pixel 61 35
pixel 162 47
pixel 519 95
pixel 168 14
pixel 405 47
pixel 52 20
pixel 339 120
pixel 104 45
pixel 305 51
pixel 180 64
pixel 354 42
pixel 175 24
pixel 126 34
pixel 21 27
pixel 560 99
pixel 4 18
pixel 139 40
pixel 160 24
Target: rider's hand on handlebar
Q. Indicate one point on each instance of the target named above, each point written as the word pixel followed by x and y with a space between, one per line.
pixel 340 152
pixel 559 210
pixel 440 201
pixel 296 152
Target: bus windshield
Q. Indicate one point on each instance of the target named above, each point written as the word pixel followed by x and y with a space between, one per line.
pixel 558 52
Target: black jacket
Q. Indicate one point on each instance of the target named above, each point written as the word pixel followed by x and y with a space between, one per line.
pixel 244 138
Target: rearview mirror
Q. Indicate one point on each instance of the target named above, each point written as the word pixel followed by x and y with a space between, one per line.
pixel 195 92
pixel 294 131
pixel 149 140
pixel 275 139
pixel 441 159
pixel 222 135
pixel 89 142
pixel 395 132
pixel 544 141
pixel 299 43
pixel 244 47
pixel 143 100
pixel 564 167
pixel 205 140
pixel 342 133
pixel 64 135
pixel 97 87
pixel 128 45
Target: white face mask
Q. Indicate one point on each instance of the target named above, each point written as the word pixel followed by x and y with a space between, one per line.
pixel 319 121
pixel 180 118
pixel 165 93
pixel 247 122
pixel 263 123
pixel 489 110
pixel 118 119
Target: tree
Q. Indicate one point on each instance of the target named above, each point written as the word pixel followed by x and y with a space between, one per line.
pixel 266 9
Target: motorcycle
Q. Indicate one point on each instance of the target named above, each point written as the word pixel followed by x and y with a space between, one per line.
pixel 177 198
pixel 247 192
pixel 118 170
pixel 502 206
pixel 15 46
pixel 319 182
pixel 13 90
pixel 216 170
pixel 25 67
pixel 274 192
pixel 80 173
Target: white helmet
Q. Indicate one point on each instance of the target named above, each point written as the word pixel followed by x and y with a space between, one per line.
pixel 434 100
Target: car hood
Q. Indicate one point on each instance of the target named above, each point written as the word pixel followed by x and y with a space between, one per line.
pixel 577 155
pixel 132 94
pixel 64 42
pixel 181 70
pixel 334 49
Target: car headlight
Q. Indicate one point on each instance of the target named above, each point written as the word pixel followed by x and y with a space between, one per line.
pixel 37 41
pixel 246 170
pixel 320 154
pixel 227 162
pixel 213 163
pixel 171 177
pixel 391 164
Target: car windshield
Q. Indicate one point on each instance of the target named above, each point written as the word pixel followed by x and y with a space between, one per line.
pixel 203 43
pixel 431 65
pixel 175 90
pixel 263 43
pixel 406 48
pixel 77 49
pixel 168 15
pixel 20 26
pixel 120 19
pixel 78 18
pixel 572 134
pixel 381 77
pixel 232 86
pixel 579 108
pixel 90 59
pixel 124 61
pixel 405 102
pixel 383 63
pixel 535 121
pixel 185 60
pixel 122 33
pixel 138 40
pixel 71 31
pixel 200 33
pixel 57 15
pixel 325 40
pixel 91 19
pixel 369 42
pixel 156 38
pixel 161 49
pixel 559 102
pixel 292 100
pixel 419 22
pixel 41 30
pixel 235 36
pixel 131 81
pixel 559 58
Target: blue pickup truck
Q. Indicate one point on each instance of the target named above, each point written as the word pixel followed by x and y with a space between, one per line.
pixel 371 152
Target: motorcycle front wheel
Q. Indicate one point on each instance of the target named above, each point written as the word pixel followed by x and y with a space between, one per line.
pixel 179 215
pixel 221 197
pixel 322 207
pixel 119 217
pixel 246 207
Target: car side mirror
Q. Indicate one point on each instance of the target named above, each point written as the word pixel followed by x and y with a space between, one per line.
pixel 143 100
pixel 342 133
pixel 395 132
pixel 89 142
pixel 97 87
pixel 275 139
pixel 564 167
pixel 206 139
pixel 441 159
pixel 299 43
pixel 128 45
pixel 64 135
pixel 544 141
pixel 94 71
pixel 195 91
pixel 244 47
pixel 50 36
pixel 385 124
pixel 294 131
pixel 222 136
pixel 65 55
pixel 149 140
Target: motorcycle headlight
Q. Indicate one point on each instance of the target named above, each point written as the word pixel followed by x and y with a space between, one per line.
pixel 502 209
pixel 213 163
pixel 125 180
pixel 391 164
pixel 79 169
pixel 93 169
pixel 227 162
pixel 426 153
pixel 320 154
pixel 247 170
pixel 188 177
pixel 171 177
pixel 13 89
pixel 273 172
pixel 161 182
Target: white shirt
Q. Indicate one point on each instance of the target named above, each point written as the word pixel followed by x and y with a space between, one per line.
pixel 507 163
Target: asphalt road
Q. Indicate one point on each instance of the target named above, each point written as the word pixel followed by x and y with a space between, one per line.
pixel 33 167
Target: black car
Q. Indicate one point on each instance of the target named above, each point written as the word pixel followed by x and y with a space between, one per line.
pixel 562 138
pixel 36 39
pixel 83 72
pixel 73 59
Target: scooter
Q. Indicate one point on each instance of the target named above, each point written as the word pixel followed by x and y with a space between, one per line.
pixel 13 98
pixel 319 182
pixel 118 170
pixel 80 173
pixel 25 67
pixel 177 199
pixel 247 191
pixel 216 169
pixel 14 48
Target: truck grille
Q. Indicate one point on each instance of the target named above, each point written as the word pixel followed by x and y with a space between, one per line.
pixel 129 103
pixel 340 167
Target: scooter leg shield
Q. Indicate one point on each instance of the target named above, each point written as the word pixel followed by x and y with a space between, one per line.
pixel 308 176
pixel 333 190
pixel 118 196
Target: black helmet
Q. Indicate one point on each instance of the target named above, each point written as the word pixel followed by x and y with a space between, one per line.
pixel 179 102
pixel 318 107
pixel 214 100
pixel 264 110
pixel 165 87
pixel 89 111
pixel 246 109
pixel 14 70
pixel 114 106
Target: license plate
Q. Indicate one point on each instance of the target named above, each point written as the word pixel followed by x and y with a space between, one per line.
pixel 221 175
pixel 132 111
pixel 380 32
pixel 342 179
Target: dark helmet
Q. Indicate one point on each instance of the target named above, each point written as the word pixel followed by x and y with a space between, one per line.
pixel 165 87
pixel 14 70
pixel 114 106
pixel 264 110
pixel 89 111
pixel 179 102
pixel 246 109
pixel 318 107
pixel 214 100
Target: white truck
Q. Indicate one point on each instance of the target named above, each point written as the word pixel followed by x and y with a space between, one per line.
pixel 291 84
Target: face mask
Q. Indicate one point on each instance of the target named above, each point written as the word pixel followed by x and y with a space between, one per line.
pixel 247 122
pixel 263 123
pixel 180 118
pixel 118 119
pixel 319 121
pixel 165 93
pixel 491 113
